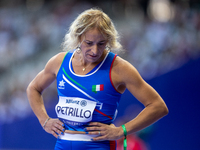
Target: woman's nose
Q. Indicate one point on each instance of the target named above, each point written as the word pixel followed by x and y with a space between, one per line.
pixel 94 49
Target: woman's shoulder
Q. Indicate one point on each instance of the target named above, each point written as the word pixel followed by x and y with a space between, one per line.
pixel 54 63
pixel 60 55
pixel 121 65
pixel 58 58
pixel 120 62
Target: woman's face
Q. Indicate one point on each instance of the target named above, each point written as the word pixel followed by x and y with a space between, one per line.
pixel 93 45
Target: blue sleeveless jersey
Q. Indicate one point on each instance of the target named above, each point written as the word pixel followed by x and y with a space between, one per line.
pixel 86 98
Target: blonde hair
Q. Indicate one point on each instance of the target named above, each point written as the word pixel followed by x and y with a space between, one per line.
pixel 90 19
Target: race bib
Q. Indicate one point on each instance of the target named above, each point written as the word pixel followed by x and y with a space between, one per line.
pixel 75 111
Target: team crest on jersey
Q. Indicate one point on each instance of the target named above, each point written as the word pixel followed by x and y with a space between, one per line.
pixel 61 85
pixel 96 88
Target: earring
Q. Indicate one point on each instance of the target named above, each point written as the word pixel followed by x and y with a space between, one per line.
pixel 78 50
pixel 108 48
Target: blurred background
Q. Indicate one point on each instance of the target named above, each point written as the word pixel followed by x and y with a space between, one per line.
pixel 161 39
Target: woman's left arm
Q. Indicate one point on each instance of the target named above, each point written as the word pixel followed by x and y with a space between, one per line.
pixel 124 76
pixel 155 107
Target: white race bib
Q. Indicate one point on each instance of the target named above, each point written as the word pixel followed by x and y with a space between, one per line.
pixel 75 111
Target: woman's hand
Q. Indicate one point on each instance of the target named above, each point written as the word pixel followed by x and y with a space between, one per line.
pixel 54 127
pixel 105 132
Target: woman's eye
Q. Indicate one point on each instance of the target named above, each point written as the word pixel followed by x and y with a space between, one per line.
pixel 89 43
pixel 101 43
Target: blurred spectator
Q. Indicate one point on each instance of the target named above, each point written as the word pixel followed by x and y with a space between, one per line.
pixel 133 143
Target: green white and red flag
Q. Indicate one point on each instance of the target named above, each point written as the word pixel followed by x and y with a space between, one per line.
pixel 96 88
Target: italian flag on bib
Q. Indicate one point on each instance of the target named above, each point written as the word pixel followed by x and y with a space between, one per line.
pixel 96 88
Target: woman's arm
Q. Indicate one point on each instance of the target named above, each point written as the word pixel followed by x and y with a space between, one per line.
pixel 155 107
pixel 124 75
pixel 34 93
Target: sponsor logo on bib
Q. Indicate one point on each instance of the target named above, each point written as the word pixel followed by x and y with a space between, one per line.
pixel 75 110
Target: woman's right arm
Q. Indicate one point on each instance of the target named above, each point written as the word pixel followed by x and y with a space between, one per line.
pixel 34 93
